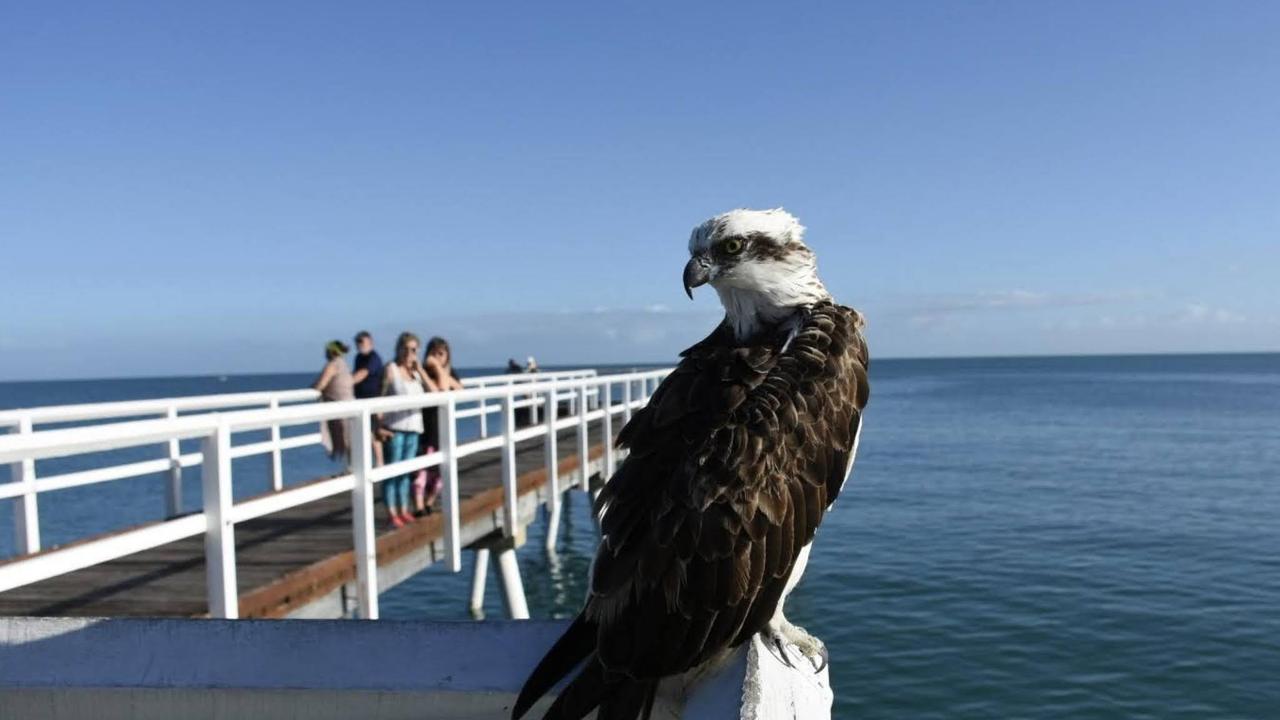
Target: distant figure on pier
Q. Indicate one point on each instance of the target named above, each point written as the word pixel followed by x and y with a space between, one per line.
pixel 438 360
pixel 524 413
pixel 400 429
pixel 367 377
pixel 335 384
pixel 530 364
pixel 367 374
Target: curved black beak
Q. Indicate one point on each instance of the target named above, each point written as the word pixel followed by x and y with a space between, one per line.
pixel 696 272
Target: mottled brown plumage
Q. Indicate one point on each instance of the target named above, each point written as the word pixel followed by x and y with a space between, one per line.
pixel 732 465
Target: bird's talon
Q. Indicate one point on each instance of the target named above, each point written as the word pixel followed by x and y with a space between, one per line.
pixel 822 653
pixel 780 650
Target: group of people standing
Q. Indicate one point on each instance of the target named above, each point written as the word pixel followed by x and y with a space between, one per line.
pixel 397 435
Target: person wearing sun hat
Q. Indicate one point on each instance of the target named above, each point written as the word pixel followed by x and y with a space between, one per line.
pixel 334 384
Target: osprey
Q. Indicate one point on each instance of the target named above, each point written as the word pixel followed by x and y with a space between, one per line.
pixel 706 527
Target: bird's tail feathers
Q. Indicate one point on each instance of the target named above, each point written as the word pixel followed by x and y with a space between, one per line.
pixel 582 695
pixel 629 700
pixel 617 696
pixel 573 646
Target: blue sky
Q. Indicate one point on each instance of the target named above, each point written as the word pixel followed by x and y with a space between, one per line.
pixel 221 188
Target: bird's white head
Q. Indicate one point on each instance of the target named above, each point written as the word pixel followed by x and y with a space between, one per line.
pixel 759 265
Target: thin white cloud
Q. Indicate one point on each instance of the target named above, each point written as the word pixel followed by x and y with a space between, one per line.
pixel 1199 313
pixel 933 309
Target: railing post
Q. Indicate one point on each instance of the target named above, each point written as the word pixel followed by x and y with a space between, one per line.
pixel 26 511
pixel 449 473
pixel 584 447
pixel 220 536
pixel 553 469
pixel 277 464
pixel 173 490
pixel 510 493
pixel 362 522
pixel 533 408
pixel 626 401
pixel 606 400
pixel 484 421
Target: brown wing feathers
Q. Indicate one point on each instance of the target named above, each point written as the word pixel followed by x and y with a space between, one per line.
pixel 731 466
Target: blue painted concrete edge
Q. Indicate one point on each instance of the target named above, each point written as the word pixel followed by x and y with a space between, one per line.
pixel 296 654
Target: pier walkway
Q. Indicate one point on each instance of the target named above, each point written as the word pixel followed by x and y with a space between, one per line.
pixel 312 549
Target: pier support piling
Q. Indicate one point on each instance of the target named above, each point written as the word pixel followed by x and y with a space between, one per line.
pixel 478 576
pixel 512 588
pixel 553 526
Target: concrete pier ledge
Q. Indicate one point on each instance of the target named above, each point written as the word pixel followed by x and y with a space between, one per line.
pixel 315 670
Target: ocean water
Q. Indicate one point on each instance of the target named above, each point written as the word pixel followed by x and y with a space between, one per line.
pixel 1034 538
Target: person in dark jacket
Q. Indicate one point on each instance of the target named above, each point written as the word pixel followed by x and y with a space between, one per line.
pixel 367 380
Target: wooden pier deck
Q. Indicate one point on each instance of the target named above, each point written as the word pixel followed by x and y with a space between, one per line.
pixel 299 562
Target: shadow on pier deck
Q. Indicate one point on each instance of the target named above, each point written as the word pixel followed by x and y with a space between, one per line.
pixel 299 562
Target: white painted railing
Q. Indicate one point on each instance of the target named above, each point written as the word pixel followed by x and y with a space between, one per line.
pixel 26 420
pixel 483 409
pixel 160 407
pixel 220 514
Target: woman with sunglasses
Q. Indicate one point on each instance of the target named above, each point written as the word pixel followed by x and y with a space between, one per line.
pixel 400 429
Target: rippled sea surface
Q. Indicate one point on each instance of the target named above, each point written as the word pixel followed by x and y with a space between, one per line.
pixel 1032 538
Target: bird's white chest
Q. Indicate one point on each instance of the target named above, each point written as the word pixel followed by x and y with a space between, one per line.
pixel 797 571
pixel 853 455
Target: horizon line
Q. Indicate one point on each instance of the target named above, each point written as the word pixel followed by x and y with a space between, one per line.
pixel 645 364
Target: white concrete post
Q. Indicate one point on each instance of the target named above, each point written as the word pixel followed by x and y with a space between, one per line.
pixel 626 402
pixel 173 490
pixel 220 536
pixel 26 513
pixel 533 409
pixel 277 462
pixel 510 492
pixel 478 576
pixel 584 447
pixel 553 471
pixel 512 588
pixel 449 473
pixel 363 527
pixel 484 419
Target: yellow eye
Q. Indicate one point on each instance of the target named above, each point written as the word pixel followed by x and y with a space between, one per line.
pixel 733 246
